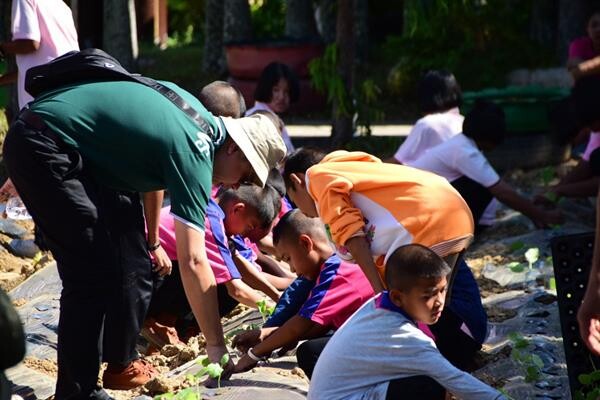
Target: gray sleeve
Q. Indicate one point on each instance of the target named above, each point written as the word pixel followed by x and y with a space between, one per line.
pixel 461 384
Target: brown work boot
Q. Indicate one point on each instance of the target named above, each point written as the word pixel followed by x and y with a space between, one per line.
pixel 158 334
pixel 134 374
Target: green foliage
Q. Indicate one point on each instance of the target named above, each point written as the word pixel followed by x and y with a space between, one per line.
pixel 516 266
pixel 531 363
pixel 590 386
pixel 186 21
pixel 268 18
pixel 516 245
pixel 264 310
pixel 547 174
pixel 361 100
pixel 479 41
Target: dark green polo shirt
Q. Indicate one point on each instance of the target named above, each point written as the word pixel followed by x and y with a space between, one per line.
pixel 133 138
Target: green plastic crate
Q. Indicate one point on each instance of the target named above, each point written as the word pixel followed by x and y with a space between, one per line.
pixel 526 107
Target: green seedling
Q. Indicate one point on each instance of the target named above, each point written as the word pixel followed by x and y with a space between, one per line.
pixel 531 363
pixel 551 196
pixel 213 370
pixel 516 266
pixel 547 174
pixel 264 310
pixel 532 255
pixel 590 385
pixel 516 246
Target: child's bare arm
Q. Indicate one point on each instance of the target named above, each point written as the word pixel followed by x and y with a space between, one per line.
pixel 359 248
pixel 296 328
pixel 243 293
pixel 254 278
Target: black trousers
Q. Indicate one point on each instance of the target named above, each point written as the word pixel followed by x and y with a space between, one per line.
pixel 308 353
pixel 418 387
pixel 169 298
pixel 96 236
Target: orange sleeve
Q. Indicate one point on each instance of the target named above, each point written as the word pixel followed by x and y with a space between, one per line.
pixel 331 192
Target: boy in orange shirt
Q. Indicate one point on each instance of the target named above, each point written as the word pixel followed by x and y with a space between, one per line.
pixel 371 208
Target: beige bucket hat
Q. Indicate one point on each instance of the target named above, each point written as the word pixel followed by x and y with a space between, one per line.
pixel 259 140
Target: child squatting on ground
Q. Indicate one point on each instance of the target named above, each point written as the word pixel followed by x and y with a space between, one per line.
pixel 371 208
pixel 340 289
pixel 394 359
pixel 238 212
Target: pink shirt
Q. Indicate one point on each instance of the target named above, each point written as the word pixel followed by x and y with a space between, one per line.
pixel 340 290
pixel 593 144
pixel 215 241
pixel 582 48
pixel 48 22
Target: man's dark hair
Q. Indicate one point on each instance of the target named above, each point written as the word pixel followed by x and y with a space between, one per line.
pixel 411 262
pixel 438 91
pixel 294 223
pixel 275 191
pixel 223 99
pixel 270 76
pixel 485 123
pixel 585 99
pixel 299 161
pixel 252 196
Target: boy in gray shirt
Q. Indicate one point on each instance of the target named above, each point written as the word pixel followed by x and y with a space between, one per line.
pixel 379 353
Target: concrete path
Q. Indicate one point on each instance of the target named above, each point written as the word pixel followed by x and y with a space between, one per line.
pixel 324 130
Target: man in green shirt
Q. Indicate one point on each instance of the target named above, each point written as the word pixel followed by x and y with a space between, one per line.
pixel 125 136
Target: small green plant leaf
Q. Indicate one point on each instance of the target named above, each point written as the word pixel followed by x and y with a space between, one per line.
pixel 224 360
pixel 533 373
pixel 214 370
pixel 595 375
pixel 204 362
pixel 593 395
pixel 579 395
pixel 584 379
pixel 515 246
pixel 532 255
pixel 537 361
pixel 516 266
pixel 547 174
pixel 551 196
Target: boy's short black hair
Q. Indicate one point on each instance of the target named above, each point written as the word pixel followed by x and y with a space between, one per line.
pixel 485 123
pixel 411 262
pixel 275 191
pixel 299 161
pixel 294 223
pixel 252 196
pixel 438 91
pixel 585 99
pixel 223 99
pixel 270 76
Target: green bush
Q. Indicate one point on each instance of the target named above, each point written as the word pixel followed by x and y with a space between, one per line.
pixel 268 18
pixel 479 41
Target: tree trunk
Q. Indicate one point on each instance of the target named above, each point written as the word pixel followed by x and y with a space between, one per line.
pixel 544 19
pixel 361 30
pixel 213 60
pixel 572 16
pixel 300 20
pixel 237 26
pixel 326 19
pixel 343 129
pixel 120 33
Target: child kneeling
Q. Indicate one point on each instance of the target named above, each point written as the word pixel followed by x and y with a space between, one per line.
pixel 379 353
pixel 340 289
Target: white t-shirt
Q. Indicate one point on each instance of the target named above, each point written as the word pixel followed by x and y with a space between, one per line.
pixel 455 158
pixel 260 106
pixel 377 345
pixel 428 132
pixel 48 22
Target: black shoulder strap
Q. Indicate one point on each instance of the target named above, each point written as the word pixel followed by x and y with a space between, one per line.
pixel 179 102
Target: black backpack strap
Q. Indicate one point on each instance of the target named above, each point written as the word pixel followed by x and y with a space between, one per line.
pixel 179 102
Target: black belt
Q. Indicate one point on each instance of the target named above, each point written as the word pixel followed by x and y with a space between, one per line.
pixel 35 122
